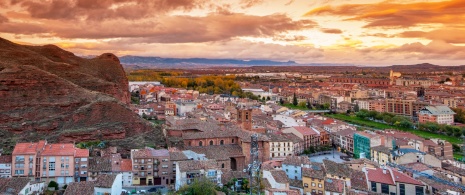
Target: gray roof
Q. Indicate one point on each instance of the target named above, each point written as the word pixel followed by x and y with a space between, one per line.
pixel 437 110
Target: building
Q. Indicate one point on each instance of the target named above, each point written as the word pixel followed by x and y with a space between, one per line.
pixel 81 159
pixel 361 80
pixel 292 165
pixel 336 170
pixel 126 172
pixel 188 171
pixel 400 107
pixel 381 154
pixel 151 167
pixel 184 107
pixel 313 179
pixel 390 181
pixel 310 136
pixel 335 186
pixel 45 162
pixel 363 141
pixel 244 118
pixel 20 186
pixel 280 146
pixel 108 184
pixel 437 114
pixel 5 166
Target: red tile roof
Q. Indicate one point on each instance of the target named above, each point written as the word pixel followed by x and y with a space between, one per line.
pixel 126 165
pixel 6 159
pixel 402 178
pixel 58 150
pixel 25 148
pixel 378 176
pixel 305 130
pixel 81 153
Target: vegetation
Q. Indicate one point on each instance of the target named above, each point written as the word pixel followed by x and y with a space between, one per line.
pixel 459 115
pixel 53 184
pixel 203 84
pixel 388 118
pixel 294 100
pixel 200 186
pixel 377 125
pixel 298 107
pixel 91 144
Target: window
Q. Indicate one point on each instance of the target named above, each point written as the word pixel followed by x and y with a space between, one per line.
pixel 51 166
pixel 221 142
pixel 19 172
pixel 373 187
pixel 211 142
pixel 222 165
pixel 419 190
pixel 232 140
pixel 319 185
pixel 211 173
pixel 306 185
pixel 384 188
pixel 200 143
pixel 313 184
pixel 402 189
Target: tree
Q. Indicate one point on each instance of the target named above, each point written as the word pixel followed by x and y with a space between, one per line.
pixel 268 98
pixel 281 101
pixel 356 108
pixel 53 184
pixel 294 100
pixel 302 104
pixel 200 186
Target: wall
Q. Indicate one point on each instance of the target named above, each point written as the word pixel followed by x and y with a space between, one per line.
pixel 293 172
pixel 117 186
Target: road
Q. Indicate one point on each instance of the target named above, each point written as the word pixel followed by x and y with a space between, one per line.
pixel 146 188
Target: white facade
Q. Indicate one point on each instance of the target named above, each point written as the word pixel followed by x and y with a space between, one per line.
pixel 115 189
pixel 33 187
pixel 5 170
pixel 281 149
pixel 363 105
pixel 184 107
pixel 127 179
pixel 288 121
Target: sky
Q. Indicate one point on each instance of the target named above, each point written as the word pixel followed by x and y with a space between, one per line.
pixel 360 32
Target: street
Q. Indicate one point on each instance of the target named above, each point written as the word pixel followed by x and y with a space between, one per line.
pixel 164 190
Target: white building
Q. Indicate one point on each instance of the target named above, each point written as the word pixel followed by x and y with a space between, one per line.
pixel 126 171
pixel 188 171
pixel 5 166
pixel 288 121
pixel 439 114
pixel 362 104
pixel 277 179
pixel 184 107
pixel 109 184
pixel 21 186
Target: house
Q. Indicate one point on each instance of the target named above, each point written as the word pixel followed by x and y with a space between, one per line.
pixel 313 179
pixel 390 181
pixel 359 164
pixel 99 166
pixel 381 155
pixel 188 171
pixel 310 136
pixel 108 184
pixel 336 170
pixel 363 141
pixel 81 159
pixel 335 186
pixel 81 188
pixel 151 167
pixel 358 182
pixel 5 166
pixel 438 114
pixel 344 139
pixel 277 179
pixel 292 165
pixel 45 162
pixel 126 171
pixel 21 186
pixel 184 107
pixel 280 146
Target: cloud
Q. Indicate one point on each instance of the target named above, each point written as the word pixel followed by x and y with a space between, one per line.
pixel 387 14
pixel 168 29
pixel 447 35
pixel 250 3
pixel 3 19
pixel 331 30
pixel 97 10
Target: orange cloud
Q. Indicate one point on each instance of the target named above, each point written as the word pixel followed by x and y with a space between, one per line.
pixel 447 35
pixel 388 14
pixel 331 31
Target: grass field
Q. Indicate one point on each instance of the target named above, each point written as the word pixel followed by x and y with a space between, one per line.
pixel 372 124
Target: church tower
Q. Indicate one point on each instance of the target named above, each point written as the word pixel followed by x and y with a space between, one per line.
pixel 244 118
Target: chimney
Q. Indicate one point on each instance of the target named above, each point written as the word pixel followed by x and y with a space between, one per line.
pixel 384 170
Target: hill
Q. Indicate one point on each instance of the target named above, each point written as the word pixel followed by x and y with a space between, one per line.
pixel 49 93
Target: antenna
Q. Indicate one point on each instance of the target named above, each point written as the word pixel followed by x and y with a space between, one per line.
pixel 254 166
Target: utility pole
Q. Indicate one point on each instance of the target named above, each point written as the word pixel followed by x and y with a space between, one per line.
pixel 254 166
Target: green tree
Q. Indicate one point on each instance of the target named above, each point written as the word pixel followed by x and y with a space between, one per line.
pixel 53 184
pixel 302 104
pixel 356 108
pixel 200 186
pixel 294 100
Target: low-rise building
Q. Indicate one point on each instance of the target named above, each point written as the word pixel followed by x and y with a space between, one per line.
pixel 293 165
pixel 5 166
pixel 437 114
pixel 188 171
pixel 151 167
pixel 313 179
pixel 22 186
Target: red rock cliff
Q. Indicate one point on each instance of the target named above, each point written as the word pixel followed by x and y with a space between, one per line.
pixel 47 92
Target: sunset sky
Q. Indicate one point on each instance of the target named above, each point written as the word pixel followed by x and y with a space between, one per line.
pixel 361 32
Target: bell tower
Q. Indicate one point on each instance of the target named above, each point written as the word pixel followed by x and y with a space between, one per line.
pixel 244 118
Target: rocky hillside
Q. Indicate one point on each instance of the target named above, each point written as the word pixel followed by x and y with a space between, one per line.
pixel 49 93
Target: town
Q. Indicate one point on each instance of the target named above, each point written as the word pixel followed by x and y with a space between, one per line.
pixel 283 133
